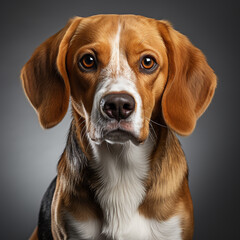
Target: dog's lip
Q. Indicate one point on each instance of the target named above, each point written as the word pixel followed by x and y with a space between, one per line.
pixel 117 132
pixel 119 135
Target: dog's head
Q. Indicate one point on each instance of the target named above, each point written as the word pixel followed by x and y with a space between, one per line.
pixel 121 72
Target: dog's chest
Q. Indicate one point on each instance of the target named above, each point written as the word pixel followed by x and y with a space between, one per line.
pixel 119 192
pixel 139 228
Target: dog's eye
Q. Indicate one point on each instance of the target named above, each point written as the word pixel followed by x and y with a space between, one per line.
pixel 148 64
pixel 87 62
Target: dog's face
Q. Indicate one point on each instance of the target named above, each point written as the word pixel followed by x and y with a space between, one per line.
pixel 121 72
pixel 117 73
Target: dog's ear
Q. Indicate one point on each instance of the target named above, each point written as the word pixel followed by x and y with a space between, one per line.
pixel 191 82
pixel 44 77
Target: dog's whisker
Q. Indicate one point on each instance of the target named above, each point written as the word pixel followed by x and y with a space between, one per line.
pixel 80 117
pixel 79 125
pixel 152 138
pixel 122 150
pixel 159 124
pixel 82 131
pixel 152 128
pixel 97 121
pixel 108 147
pixel 101 132
pixel 87 146
pixel 85 134
pixel 78 121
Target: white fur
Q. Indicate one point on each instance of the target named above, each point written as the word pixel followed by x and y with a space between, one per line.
pixel 167 230
pixel 82 230
pixel 139 228
pixel 122 170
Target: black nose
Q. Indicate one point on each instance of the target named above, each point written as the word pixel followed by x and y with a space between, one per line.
pixel 118 106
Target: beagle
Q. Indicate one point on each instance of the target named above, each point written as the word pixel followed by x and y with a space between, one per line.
pixel 134 83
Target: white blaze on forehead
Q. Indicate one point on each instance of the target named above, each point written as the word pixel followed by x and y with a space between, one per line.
pixel 115 54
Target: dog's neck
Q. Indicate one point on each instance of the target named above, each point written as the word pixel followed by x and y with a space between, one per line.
pixel 121 177
pixel 122 170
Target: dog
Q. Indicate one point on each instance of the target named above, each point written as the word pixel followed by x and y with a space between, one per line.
pixel 134 83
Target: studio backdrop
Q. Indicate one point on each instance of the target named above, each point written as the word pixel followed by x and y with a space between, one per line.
pixel 29 154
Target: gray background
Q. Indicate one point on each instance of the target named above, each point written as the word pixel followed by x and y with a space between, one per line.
pixel 29 155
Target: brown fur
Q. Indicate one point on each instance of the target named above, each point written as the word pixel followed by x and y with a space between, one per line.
pixel 47 90
pixel 167 186
pixel 191 82
pixel 34 235
pixel 176 94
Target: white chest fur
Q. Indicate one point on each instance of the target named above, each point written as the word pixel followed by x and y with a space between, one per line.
pixel 122 170
pixel 139 228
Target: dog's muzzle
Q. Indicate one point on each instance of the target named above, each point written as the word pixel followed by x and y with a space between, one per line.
pixel 117 109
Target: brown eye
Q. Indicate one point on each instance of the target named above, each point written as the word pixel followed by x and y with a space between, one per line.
pixel 87 62
pixel 148 64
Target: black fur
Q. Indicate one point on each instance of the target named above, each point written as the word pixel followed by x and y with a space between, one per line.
pixel 44 219
pixel 78 160
pixel 74 152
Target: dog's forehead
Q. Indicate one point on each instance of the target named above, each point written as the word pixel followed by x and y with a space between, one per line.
pixel 135 30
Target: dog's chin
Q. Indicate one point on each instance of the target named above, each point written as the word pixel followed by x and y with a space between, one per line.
pixel 117 136
pixel 120 136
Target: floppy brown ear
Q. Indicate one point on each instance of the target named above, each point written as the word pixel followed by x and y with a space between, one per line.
pixel 191 82
pixel 44 77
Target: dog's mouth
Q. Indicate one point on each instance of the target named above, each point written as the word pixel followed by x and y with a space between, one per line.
pixel 117 134
pixel 120 136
